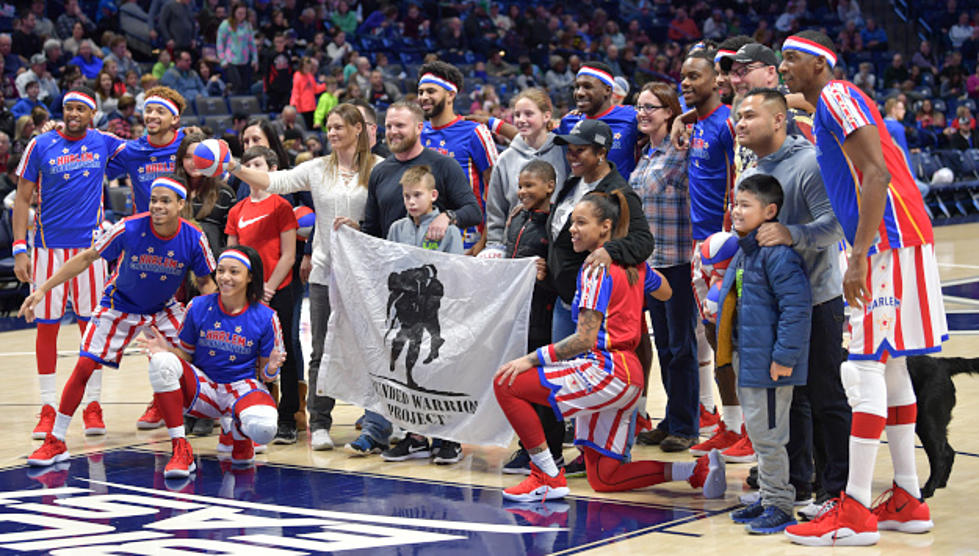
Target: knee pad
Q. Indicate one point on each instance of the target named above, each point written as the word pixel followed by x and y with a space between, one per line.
pixel 165 371
pixel 259 422
pixel 900 391
pixel 865 388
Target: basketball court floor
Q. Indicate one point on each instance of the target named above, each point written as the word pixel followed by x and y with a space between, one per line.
pixel 110 498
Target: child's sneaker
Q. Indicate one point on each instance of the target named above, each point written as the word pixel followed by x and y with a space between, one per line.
pixel 817 507
pixel 518 464
pixel 363 446
pixel 45 423
pixel 539 486
pixel 708 421
pixel 51 452
pixel 576 468
pixel 709 476
pixel 412 447
pixel 448 452
pixel 845 522
pixel 902 512
pixel 92 418
pixel 741 451
pixel 722 440
pixel 748 513
pixel 771 521
pixel 151 418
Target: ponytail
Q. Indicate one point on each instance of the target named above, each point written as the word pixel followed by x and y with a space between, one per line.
pixel 613 206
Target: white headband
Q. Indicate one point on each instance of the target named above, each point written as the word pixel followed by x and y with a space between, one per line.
pixel 171 184
pixel 236 255
pixel 809 47
pixel 436 80
pixel 75 96
pixel 164 102
pixel 598 74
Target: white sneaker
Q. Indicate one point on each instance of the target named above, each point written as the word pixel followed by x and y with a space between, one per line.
pixel 321 440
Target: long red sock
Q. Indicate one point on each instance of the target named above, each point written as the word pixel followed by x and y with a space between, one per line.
pixel 517 401
pixel 171 405
pixel 71 396
pixel 607 474
pixel 82 325
pixel 46 347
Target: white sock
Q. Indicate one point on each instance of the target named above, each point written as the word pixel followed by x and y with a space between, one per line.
pixel 682 470
pixel 60 428
pixel 176 432
pixel 545 462
pixel 863 454
pixel 732 417
pixel 642 407
pixel 49 389
pixel 900 441
pixel 705 356
pixel 93 390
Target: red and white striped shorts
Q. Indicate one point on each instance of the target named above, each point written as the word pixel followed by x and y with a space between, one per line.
pixel 906 314
pixel 85 290
pixel 214 400
pixel 699 280
pixel 110 331
pixel 602 404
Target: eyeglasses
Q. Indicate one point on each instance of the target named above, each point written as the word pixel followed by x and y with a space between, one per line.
pixel 741 72
pixel 647 107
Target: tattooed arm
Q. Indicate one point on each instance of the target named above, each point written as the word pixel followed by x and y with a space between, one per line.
pixel 580 342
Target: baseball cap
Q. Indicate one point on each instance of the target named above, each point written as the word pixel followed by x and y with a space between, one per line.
pixel 756 52
pixel 621 86
pixel 587 132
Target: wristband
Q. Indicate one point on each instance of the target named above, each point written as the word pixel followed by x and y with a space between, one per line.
pixel 494 125
pixel 267 376
pixel 20 246
pixel 546 354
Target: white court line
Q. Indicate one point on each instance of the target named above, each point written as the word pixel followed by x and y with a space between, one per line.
pixel 955 265
pixel 129 351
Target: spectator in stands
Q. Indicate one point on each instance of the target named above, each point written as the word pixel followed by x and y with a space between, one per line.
pixel 338 48
pixel 11 62
pixel 351 92
pixel 214 86
pixel 865 78
pixel 147 82
pixel 715 28
pixel 23 132
pixel 498 67
pixel 288 119
pixel 27 103
pixel 328 99
pixel 381 93
pixel 363 74
pixel 43 26
pixel 874 37
pixel 954 86
pixel 763 33
pixel 960 31
pixel 526 79
pixel 276 68
pixel 344 18
pixel 849 11
pixel 106 97
pixel 415 25
pixel 972 84
pixel 277 24
pixel 307 26
pixel 73 14
pixel 39 73
pixel 71 79
pixel 26 41
pixel 960 135
pixel 86 60
pixel 120 122
pixel 182 78
pixel 176 26
pixel 481 31
pixel 236 49
pixel 370 118
pixel 559 78
pixel 209 18
pixel 451 36
pixel 7 119
pixel 57 59
pixel 925 58
pixel 163 63
pixel 75 39
pixel 122 57
pixel 927 116
pixel 305 87
pixel 896 73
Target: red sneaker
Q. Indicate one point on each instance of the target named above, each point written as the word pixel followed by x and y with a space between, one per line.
pixel 243 452
pixel 260 448
pixel 45 423
pixel 182 462
pixel 151 419
pixel 709 475
pixel 902 512
pixel 225 445
pixel 846 523
pixel 51 452
pixel 708 421
pixel 722 440
pixel 92 417
pixel 741 451
pixel 538 487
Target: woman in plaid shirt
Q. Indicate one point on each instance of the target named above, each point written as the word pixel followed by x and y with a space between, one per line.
pixel 660 179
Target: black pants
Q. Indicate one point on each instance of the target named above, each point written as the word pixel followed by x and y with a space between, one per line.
pixel 284 305
pixel 819 421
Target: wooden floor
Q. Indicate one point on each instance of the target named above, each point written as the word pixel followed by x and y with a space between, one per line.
pixel 127 390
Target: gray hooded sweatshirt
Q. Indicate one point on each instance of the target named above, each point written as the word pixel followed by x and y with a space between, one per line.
pixel 807 214
pixel 502 194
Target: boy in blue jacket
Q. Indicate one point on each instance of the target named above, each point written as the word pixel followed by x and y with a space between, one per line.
pixel 764 329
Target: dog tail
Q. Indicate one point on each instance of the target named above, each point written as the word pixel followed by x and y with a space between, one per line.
pixel 960 365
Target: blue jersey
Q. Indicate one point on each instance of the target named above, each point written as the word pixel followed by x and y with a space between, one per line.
pixel 152 267
pixel 625 134
pixel 143 162
pixel 711 172
pixel 469 143
pixel 68 173
pixel 225 346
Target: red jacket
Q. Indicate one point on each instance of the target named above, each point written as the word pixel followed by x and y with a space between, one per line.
pixel 304 91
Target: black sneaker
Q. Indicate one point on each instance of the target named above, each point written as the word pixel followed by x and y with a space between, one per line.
pixel 286 434
pixel 651 438
pixel 518 464
pixel 448 452
pixel 751 481
pixel 203 427
pixel 412 447
pixel 576 468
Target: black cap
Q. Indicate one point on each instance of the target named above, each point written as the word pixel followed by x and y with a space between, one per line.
pixel 588 132
pixel 756 52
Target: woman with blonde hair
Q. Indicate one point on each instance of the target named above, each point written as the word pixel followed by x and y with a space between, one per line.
pixel 338 183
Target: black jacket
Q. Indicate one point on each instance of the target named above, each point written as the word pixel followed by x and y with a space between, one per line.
pixel 563 263
pixel 526 236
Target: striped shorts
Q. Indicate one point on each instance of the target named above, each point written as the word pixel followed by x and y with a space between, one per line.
pixel 213 400
pixel 85 290
pixel 111 331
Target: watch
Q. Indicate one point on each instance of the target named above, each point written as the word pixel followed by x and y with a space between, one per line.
pixel 452 216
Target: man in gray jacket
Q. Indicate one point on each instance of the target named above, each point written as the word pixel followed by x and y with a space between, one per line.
pixel 820 412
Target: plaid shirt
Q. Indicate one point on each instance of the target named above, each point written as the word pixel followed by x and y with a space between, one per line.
pixel 660 179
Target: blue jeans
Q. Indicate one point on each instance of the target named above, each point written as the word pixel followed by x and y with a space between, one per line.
pixel 561 324
pixel 674 324
pixel 376 427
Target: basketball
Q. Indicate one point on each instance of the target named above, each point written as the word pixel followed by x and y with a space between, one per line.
pixel 712 303
pixel 211 156
pixel 307 219
pixel 716 252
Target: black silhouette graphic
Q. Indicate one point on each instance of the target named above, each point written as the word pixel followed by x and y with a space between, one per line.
pixel 416 295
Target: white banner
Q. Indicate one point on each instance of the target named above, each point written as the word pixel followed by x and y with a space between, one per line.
pixel 416 335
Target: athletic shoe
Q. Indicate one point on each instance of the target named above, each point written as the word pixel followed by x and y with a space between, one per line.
pixel 518 464
pixel 751 481
pixel 576 468
pixel 448 452
pixel 225 445
pixel 320 440
pixel 722 440
pixel 181 463
pixel 817 507
pixel 538 487
pixel 242 452
pixel 676 443
pixel 45 423
pixel 202 427
pixel 262 448
pixel 802 498
pixel 412 447
pixel 749 498
pixel 92 417
pixel 51 452
pixel 748 513
pixel 902 512
pixel 286 434
pixel 151 419
pixel 651 438
pixel 709 476
pixel 708 421
pixel 845 523
pixel 741 451
pixel 359 423
pixel 363 446
pixel 772 521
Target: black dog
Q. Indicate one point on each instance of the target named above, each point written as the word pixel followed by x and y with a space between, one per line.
pixel 932 380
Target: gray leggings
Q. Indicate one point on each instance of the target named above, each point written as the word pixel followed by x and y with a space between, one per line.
pixel 319 407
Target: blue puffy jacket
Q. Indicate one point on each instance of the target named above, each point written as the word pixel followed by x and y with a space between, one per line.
pixel 774 312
